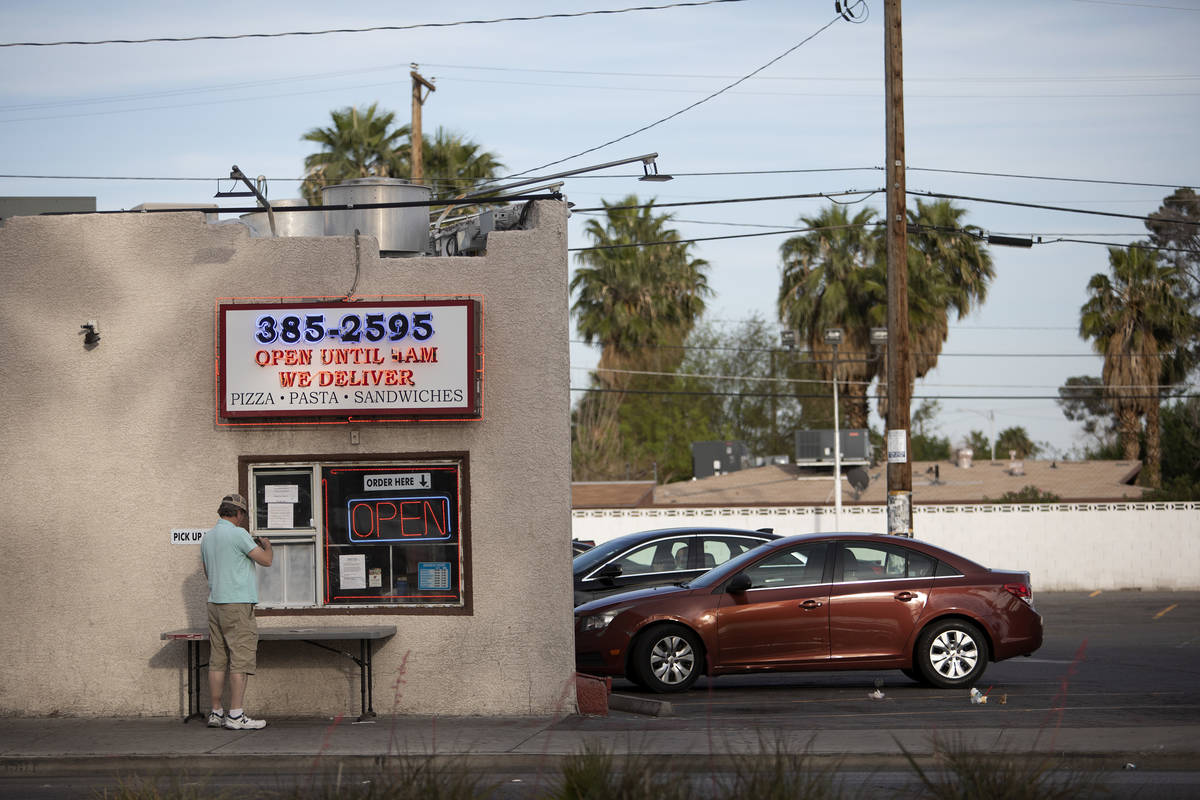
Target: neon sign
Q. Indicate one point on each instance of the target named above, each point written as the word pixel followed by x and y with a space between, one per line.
pixel 402 359
pixel 379 520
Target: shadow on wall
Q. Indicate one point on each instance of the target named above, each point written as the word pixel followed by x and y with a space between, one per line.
pixel 195 597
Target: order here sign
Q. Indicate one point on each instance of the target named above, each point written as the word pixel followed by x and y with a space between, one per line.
pixel 407 359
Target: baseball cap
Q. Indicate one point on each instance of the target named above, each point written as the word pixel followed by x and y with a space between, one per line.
pixel 236 500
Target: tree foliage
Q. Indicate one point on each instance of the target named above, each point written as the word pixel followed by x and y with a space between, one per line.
pixel 359 143
pixel 979 445
pixel 367 142
pixel 926 445
pixel 1029 494
pixel 638 295
pixel 1175 226
pixel 836 276
pixel 1016 440
pixel 1138 318
pixel 1081 399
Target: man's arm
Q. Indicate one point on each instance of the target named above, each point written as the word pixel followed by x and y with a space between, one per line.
pixel 262 555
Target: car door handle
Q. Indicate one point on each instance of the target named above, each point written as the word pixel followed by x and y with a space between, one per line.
pixel 811 604
pixel 906 596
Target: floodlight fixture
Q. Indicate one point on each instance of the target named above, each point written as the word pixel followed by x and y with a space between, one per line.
pixel 834 336
pixel 648 164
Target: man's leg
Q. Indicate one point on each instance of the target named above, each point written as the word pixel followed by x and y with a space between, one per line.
pixel 216 687
pixel 237 688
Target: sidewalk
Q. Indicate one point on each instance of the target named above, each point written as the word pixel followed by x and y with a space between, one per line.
pixel 47 746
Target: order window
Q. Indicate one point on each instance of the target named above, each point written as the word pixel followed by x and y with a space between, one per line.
pixel 361 534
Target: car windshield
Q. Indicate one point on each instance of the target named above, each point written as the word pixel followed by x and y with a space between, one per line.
pixel 602 552
pixel 730 567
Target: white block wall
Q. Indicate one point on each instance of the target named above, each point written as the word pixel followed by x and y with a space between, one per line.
pixel 1064 547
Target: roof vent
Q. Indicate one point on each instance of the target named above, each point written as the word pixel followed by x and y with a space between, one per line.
pixel 401 231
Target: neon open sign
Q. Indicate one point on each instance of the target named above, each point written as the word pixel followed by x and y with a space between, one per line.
pixel 399 519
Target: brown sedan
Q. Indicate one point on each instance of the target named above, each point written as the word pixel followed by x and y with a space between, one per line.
pixel 819 602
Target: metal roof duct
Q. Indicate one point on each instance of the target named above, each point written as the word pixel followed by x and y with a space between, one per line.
pixel 295 223
pixel 400 231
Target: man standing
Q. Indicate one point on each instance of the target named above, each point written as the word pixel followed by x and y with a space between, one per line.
pixel 229 555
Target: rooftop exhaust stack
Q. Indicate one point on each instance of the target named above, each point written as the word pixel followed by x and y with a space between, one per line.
pixel 401 231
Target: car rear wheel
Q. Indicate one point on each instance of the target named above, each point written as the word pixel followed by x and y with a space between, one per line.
pixel 667 658
pixel 951 654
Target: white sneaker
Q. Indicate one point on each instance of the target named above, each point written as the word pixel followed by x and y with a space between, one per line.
pixel 244 723
pixel 216 720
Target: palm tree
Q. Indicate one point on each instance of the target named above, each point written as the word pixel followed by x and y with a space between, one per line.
pixel 637 300
pixel 454 161
pixel 836 276
pixel 948 270
pixel 1138 318
pixel 639 303
pixel 363 143
pixel 832 279
pixel 360 143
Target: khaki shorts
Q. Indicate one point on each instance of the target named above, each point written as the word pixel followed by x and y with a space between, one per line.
pixel 233 636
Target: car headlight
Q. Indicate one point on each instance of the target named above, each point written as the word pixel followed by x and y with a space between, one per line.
pixel 597 622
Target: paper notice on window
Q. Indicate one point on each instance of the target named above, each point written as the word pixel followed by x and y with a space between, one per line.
pixel 282 493
pixel 280 515
pixel 353 572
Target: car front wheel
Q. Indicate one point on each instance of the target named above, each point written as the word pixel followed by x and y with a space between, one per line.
pixel 667 658
pixel 952 654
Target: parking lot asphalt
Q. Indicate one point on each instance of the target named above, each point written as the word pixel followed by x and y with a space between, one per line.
pixel 1114 684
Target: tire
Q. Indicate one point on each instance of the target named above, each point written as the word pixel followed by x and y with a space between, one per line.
pixel 952 654
pixel 667 658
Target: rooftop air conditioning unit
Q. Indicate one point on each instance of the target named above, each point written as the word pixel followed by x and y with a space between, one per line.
pixel 816 447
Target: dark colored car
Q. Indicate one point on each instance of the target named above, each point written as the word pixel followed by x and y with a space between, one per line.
pixel 817 602
pixel 658 558
pixel 581 546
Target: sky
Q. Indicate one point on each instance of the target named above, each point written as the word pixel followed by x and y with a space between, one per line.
pixel 1090 105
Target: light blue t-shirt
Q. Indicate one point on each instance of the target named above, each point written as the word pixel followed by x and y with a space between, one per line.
pixel 231 577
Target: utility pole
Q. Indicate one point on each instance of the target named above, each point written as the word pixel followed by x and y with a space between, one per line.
pixel 418 100
pixel 899 468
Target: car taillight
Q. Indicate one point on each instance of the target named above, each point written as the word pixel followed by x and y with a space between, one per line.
pixel 1020 590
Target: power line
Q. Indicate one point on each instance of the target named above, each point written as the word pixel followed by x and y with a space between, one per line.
pixel 868 397
pixel 1091 389
pixel 1135 5
pixel 826 78
pixel 756 199
pixel 714 173
pixel 684 110
pixel 372 29
pixel 1143 218
pixel 1041 177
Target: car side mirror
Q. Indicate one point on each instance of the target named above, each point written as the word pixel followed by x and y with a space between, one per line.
pixel 610 571
pixel 738 583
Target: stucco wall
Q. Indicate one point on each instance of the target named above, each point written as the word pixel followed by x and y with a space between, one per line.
pixel 106 450
pixel 1068 547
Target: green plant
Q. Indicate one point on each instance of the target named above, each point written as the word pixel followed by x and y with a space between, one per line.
pixel 1030 494
pixel 595 773
pixel 782 771
pixel 972 774
pixel 400 778
pixel 168 787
